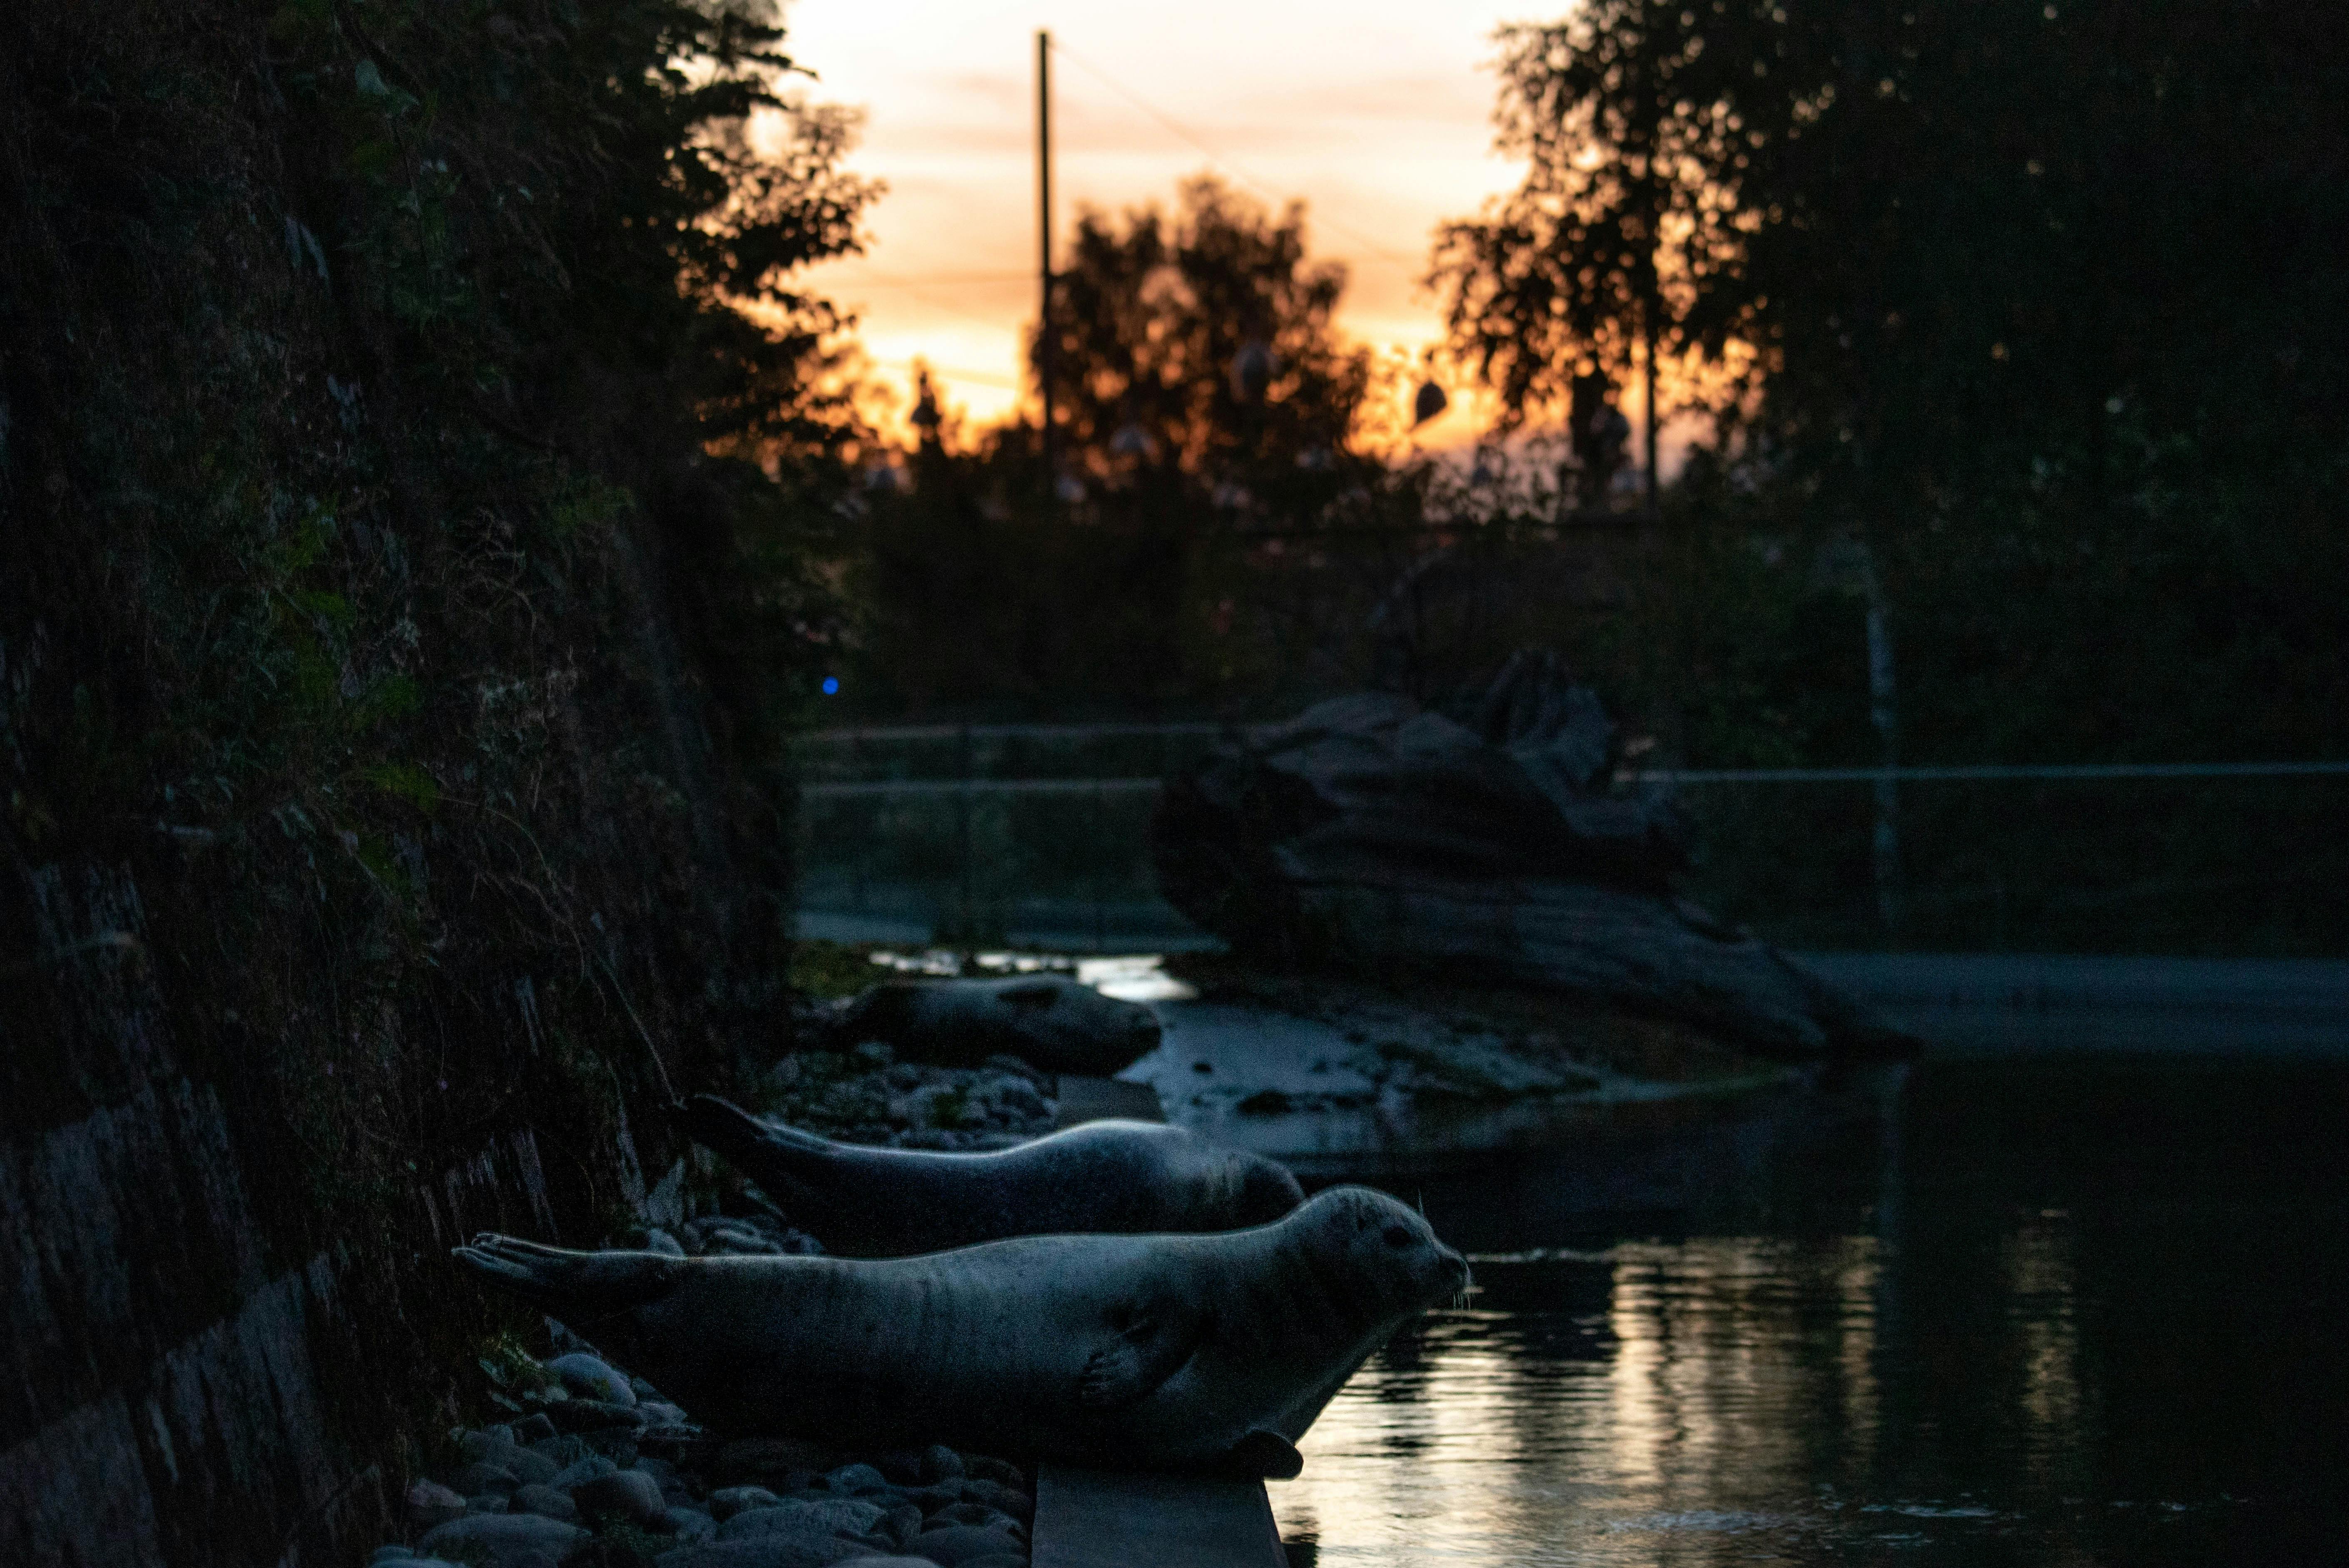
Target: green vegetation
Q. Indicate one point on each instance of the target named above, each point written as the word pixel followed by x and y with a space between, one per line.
pixel 413 451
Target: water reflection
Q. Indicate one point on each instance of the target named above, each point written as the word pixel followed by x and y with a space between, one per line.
pixel 2042 1339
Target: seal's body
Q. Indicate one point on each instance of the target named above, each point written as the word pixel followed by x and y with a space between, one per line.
pixel 1182 1352
pixel 1048 1020
pixel 1121 1177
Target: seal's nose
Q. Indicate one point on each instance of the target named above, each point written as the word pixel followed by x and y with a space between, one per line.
pixel 1455 1268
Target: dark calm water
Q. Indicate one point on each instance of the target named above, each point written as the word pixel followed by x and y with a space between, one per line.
pixel 2073 1314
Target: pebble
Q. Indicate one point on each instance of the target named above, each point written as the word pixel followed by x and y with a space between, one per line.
pixel 585 1470
pixel 689 1525
pixel 504 1537
pixel 661 1241
pixel 591 1377
pixel 661 1413
pixel 533 1428
pixel 481 1476
pixel 585 1414
pixel 821 1516
pixel 855 1479
pixel 431 1503
pixel 728 1501
pixel 959 1544
pixel 487 1502
pixel 984 1467
pixel 545 1501
pixel 1002 1498
pixel 391 1550
pixel 629 1494
pixel 977 1513
pixel 767 1552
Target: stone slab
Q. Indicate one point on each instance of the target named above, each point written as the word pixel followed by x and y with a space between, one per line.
pixel 1105 1519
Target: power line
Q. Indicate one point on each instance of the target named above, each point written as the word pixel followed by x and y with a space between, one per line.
pixel 1220 160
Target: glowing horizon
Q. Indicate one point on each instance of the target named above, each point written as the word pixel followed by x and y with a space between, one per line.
pixel 1376 115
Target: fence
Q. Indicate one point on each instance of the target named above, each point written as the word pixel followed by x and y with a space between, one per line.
pixel 1040 833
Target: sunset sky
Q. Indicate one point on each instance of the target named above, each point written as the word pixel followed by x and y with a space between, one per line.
pixel 1377 113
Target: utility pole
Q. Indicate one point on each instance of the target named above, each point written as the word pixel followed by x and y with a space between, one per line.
pixel 1044 255
pixel 1648 355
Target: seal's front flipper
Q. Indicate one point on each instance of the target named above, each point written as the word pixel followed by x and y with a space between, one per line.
pixel 581 1285
pixel 1150 1343
pixel 1265 1456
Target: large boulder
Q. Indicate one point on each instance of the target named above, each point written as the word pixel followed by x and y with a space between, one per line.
pixel 1372 832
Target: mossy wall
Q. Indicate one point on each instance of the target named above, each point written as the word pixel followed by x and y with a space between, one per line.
pixel 389 686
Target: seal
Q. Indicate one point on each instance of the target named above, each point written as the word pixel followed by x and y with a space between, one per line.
pixel 1048 1020
pixel 1199 1353
pixel 1121 1177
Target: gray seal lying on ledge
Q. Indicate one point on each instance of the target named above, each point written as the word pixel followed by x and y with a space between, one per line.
pixel 1128 1177
pixel 1048 1020
pixel 1180 1353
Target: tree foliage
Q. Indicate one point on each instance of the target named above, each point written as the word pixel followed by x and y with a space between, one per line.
pixel 2045 303
pixel 1150 316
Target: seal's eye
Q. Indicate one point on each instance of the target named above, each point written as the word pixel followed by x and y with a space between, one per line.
pixel 1397 1235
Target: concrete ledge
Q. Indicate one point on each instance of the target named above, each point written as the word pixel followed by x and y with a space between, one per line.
pixel 1992 1004
pixel 1105 1519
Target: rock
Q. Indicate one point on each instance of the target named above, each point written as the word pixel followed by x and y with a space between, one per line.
pixel 631 1495
pixel 579 1474
pixel 560 1451
pixel 823 1516
pixel 885 1563
pixel 1000 1560
pixel 959 1543
pixel 977 1513
pixel 1003 1473
pixel 660 1240
pixel 482 1476
pixel 1048 1020
pixel 617 1444
pixel 854 1478
pixel 903 1522
pixel 528 1468
pixel 533 1429
pixel 390 1551
pixel 765 1551
pixel 503 1538
pixel 545 1501
pixel 594 1415
pixel 728 1502
pixel 660 1413
pixel 1004 1499
pixel 689 1524
pixel 766 1460
pixel 591 1377
pixel 484 1444
pixel 940 1463
pixel 486 1502
pixel 1371 834
pixel 431 1503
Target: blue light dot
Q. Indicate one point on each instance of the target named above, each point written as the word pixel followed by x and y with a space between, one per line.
pixel 830 685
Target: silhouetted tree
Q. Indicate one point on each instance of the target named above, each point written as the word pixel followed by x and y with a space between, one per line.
pixel 1202 344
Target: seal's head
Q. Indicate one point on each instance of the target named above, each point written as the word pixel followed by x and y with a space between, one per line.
pixel 1388 1246
pixel 1259 1190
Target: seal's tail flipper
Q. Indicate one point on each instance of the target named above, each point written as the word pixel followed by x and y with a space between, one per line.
pixel 1265 1456
pixel 773 1155
pixel 571 1285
